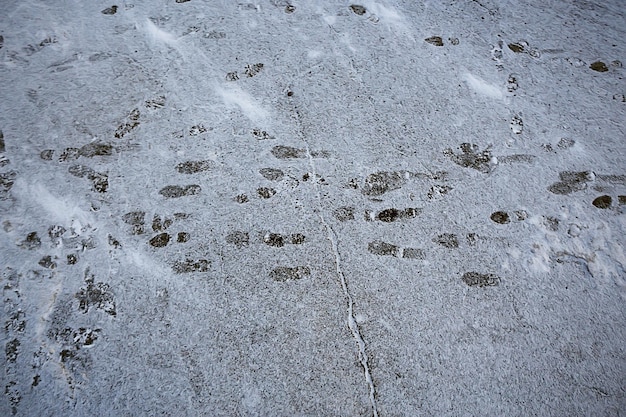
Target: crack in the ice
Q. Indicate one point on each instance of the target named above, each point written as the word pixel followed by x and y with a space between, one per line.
pixel 352 324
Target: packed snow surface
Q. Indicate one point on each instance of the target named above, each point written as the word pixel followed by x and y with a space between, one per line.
pixel 313 208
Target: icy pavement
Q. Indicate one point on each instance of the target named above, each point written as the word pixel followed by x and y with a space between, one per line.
pixel 313 208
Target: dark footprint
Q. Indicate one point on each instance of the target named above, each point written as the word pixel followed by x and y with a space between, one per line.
pixel 241 198
pixel 80 171
pixel 475 279
pixel 99 181
pixel 261 134
pixel 69 154
pixel 320 154
pixel 447 240
pixel 551 223
pixel 137 220
pixel 603 202
pixel 599 66
pixel 266 192
pixel 161 240
pixel 317 177
pixel 7 179
pixel 517 47
pixel 47 154
pixel 381 182
pixel 253 69
pixel 571 181
pixel 114 242
pixel 297 239
pixel 155 103
pixel 182 237
pixel 437 190
pixel 96 149
pixel 98 295
pixel 190 265
pixel 278 240
pixel 288 152
pixel 522 47
pixel 273 239
pixel 344 214
pixel 565 143
pixel 392 214
pixel 159 224
pixel 381 248
pixel 413 253
pixel 435 40
pixel 471 157
pixel 47 262
pixel 192 167
pixel 512 84
pixel 272 174
pixel 176 191
pixel 621 199
pixel 359 10
pixel 55 233
pixel 196 130
pixel 239 239
pixel 110 10
pixel 500 217
pixel 285 273
pixel 125 128
pixel 32 241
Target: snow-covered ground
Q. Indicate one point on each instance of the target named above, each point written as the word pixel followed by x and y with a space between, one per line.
pixel 313 208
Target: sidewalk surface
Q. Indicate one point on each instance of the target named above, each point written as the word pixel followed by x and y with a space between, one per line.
pixel 313 208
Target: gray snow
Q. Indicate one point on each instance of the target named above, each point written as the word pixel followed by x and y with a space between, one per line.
pixel 292 208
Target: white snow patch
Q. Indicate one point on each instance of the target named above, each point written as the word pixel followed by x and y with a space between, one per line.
pixel 360 318
pixel 389 16
pixel 157 34
pixel 146 263
pixel 595 244
pixel 248 105
pixel 252 398
pixel 346 40
pixel 63 210
pixel 540 260
pixel 329 19
pixel 483 87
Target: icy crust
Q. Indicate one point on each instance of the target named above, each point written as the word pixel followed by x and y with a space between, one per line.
pixel 305 208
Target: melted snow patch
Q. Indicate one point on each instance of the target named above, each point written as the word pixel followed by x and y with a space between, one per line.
pixel 483 87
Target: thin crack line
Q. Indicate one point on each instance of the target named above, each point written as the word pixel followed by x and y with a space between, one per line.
pixel 352 324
